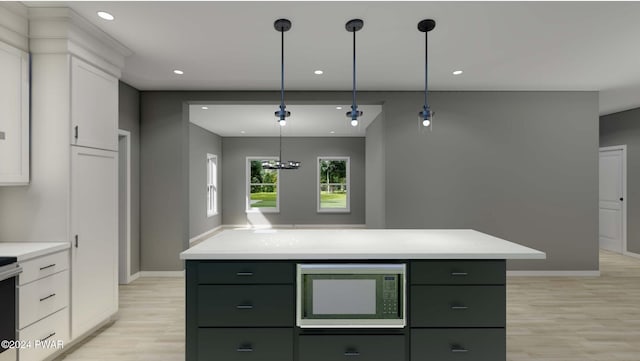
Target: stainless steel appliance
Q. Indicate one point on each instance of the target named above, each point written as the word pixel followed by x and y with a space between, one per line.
pixel 351 295
pixel 9 271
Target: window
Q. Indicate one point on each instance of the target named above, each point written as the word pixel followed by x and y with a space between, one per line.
pixel 212 185
pixel 262 186
pixel 333 184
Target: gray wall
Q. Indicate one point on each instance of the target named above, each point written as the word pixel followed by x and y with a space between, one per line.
pixel 164 174
pixel 624 128
pixel 297 187
pixel 375 174
pixel 201 142
pixel 129 119
pixel 522 166
pixel 518 165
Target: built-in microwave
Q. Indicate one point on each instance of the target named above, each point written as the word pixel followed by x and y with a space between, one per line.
pixel 351 295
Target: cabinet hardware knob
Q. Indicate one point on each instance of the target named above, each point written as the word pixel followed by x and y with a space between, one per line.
pixel 48 337
pixel 244 274
pixel 621 199
pixel 48 297
pixel 49 266
pixel 244 307
pixel 245 349
pixel 459 307
pixel 459 274
pixel 352 353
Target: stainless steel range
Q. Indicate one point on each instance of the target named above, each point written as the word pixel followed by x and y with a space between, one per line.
pixel 9 271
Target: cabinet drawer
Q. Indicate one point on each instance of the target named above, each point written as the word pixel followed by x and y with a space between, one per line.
pixel 245 344
pixel 43 297
pixel 48 332
pixel 351 347
pixel 458 344
pixel 458 306
pixel 245 306
pixel 44 266
pixel 245 272
pixel 455 272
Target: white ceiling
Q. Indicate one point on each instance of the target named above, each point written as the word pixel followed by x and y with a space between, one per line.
pixel 500 45
pixel 233 120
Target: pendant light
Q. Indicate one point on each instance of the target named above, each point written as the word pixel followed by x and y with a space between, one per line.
pixel 352 26
pixel 281 25
pixel 425 116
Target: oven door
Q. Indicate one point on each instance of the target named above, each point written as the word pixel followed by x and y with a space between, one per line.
pixel 350 296
pixel 8 301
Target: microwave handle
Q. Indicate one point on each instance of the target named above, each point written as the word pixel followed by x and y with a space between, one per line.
pixel 352 353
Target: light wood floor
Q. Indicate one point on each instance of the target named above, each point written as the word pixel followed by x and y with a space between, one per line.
pixel 548 318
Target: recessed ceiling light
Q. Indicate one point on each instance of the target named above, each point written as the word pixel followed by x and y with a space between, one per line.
pixel 339 108
pixel 333 132
pixel 242 132
pixel 205 108
pixel 457 72
pixel 105 15
pixel 318 72
pixel 179 72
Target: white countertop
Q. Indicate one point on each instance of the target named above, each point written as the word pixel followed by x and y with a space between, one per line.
pixel 271 244
pixel 27 250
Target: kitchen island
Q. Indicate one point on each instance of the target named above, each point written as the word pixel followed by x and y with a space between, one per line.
pixel 242 297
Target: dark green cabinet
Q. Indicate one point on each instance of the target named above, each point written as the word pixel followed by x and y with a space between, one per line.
pixel 351 347
pixel 245 311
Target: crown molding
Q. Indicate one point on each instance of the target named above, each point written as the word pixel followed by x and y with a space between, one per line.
pixel 55 30
pixel 14 25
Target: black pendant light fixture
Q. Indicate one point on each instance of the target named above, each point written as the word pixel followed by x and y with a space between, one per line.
pixel 281 25
pixel 352 26
pixel 425 116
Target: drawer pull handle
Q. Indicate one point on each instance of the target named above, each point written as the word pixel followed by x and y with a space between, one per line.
pixel 48 297
pixel 48 337
pixel 245 274
pixel 245 349
pixel 352 353
pixel 244 307
pixel 458 349
pixel 459 307
pixel 459 274
pixel 49 266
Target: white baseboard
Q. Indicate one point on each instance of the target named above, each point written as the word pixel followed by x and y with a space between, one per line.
pixel 553 273
pixel 161 273
pixel 204 235
pixel 631 254
pixel 294 226
pixel 134 277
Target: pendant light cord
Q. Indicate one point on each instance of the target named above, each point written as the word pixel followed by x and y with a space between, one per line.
pixel 282 72
pixel 426 51
pixel 353 107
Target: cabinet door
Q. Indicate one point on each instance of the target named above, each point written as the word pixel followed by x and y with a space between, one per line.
pixel 14 116
pixel 94 107
pixel 94 233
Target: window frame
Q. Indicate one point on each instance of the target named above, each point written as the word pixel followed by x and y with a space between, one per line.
pixel 212 185
pixel 247 181
pixel 319 209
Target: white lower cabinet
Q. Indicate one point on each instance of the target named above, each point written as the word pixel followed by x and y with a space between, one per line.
pixel 94 232
pixel 43 305
pixel 47 336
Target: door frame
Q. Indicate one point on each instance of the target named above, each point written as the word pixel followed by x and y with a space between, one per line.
pixel 623 148
pixel 127 252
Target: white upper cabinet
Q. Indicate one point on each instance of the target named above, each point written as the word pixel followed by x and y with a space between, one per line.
pixel 14 116
pixel 94 107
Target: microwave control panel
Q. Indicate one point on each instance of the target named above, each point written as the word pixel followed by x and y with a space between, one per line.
pixel 390 295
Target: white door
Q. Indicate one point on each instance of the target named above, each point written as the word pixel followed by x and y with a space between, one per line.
pixel 612 210
pixel 94 227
